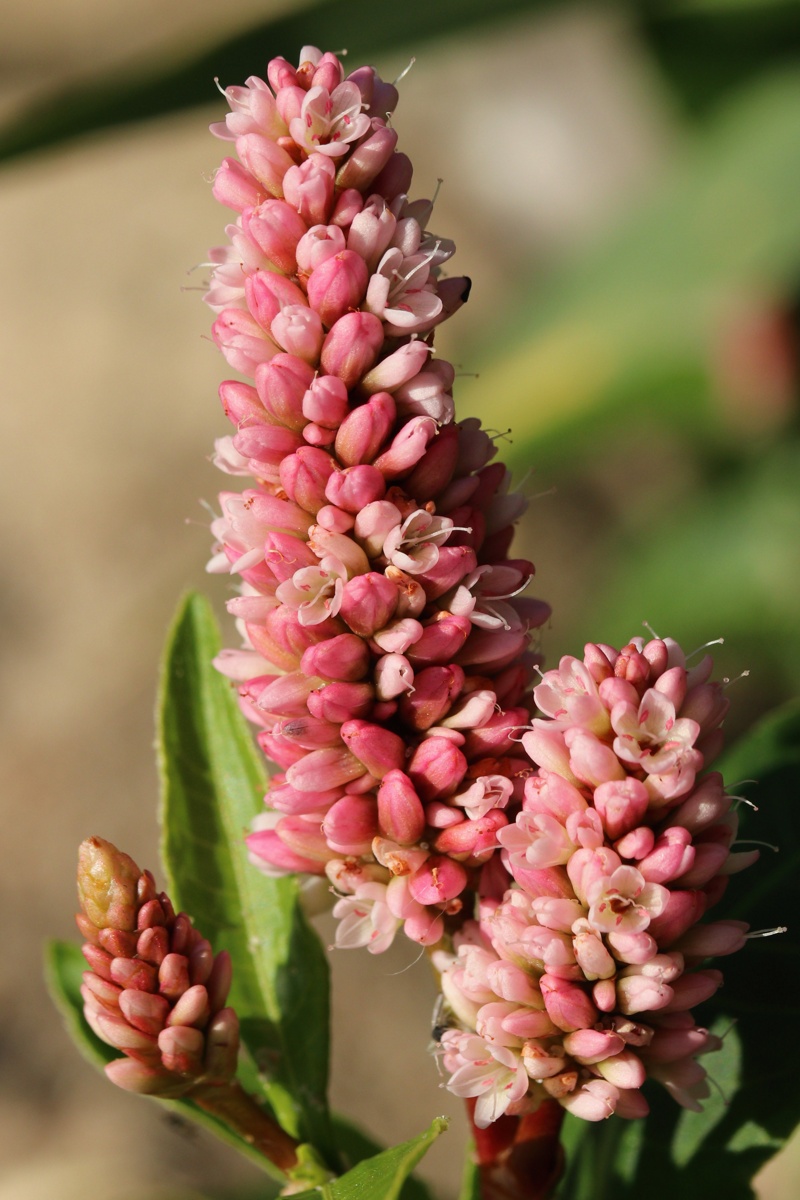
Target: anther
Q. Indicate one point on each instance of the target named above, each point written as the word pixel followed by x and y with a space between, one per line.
pixel 403 73
pixel 720 641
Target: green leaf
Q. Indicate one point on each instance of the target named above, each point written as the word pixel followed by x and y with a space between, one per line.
pixel 383 1176
pixel 64 967
pixel 212 786
pixel 718 1151
pixel 354 1146
pixel 365 28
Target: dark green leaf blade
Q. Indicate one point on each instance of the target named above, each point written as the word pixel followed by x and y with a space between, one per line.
pixel 64 967
pixel 383 1176
pixel 212 786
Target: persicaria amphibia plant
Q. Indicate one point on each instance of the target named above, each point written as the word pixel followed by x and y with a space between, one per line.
pixel 559 868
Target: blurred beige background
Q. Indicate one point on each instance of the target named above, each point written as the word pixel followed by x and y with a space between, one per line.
pixel 109 412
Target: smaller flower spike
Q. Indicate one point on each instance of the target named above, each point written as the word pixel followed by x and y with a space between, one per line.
pixel 156 991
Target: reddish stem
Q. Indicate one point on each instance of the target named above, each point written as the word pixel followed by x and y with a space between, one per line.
pixel 231 1104
pixel 519 1158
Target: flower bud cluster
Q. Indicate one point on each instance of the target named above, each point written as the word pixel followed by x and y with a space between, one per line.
pixel 577 979
pixel 385 656
pixel 155 990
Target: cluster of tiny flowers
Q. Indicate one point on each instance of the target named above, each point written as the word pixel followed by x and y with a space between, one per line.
pixel 386 643
pixel 560 867
pixel 576 981
pixel 155 990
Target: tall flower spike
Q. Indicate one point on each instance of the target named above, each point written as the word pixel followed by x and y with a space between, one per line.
pixel 157 992
pixel 372 546
pixel 583 969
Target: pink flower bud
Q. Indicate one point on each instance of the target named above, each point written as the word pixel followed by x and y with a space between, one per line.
pixel 591 760
pixel 473 839
pixel 683 909
pixel 672 684
pixel 240 403
pixel 396 369
pixel 275 229
pixel 235 187
pixel 378 749
pixel 669 1045
pixel 636 844
pixel 351 824
pixel 282 694
pixel 395 178
pixel 309 188
pixel 428 394
pixel 435 689
pixel 567 1005
pixel 304 475
pixel 348 205
pixel 298 330
pixel 368 602
pixel 337 285
pixel 281 638
pixel 303 834
pixel 437 881
pixel 322 769
pixel 356 487
pixel 365 429
pixel 344 658
pixel 671 856
pixel 641 993
pixel 351 347
pixel 441 641
pixel 268 293
pixel 242 341
pixel 264 159
pixel 492 649
pixel 693 989
pixel 367 160
pixel 621 804
pixel 400 813
pixel 721 937
pixel 265 447
pixel 592 1045
pixel 326 402
pixel 393 676
pixel 372 526
pixel 315 247
pixel 435 469
pixel 371 231
pixel 624 1069
pixel 407 448
pixel 436 768
pixel 281 385
pixel 272 855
